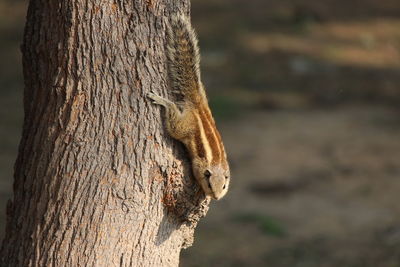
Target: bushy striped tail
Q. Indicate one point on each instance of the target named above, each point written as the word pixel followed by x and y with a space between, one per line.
pixel 183 58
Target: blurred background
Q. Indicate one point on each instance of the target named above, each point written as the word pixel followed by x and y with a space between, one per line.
pixel 307 97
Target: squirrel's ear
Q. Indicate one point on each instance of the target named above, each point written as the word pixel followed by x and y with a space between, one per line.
pixel 207 174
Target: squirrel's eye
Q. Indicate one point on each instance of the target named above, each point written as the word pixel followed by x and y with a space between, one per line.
pixel 207 174
pixel 226 177
pixel 224 186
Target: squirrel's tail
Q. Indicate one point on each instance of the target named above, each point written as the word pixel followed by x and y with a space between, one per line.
pixel 183 57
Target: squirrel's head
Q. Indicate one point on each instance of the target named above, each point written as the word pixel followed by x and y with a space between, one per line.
pixel 214 180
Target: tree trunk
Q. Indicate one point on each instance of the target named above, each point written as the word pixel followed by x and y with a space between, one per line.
pixel 98 181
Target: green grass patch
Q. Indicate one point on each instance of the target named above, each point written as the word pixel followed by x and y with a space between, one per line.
pixel 268 225
pixel 224 107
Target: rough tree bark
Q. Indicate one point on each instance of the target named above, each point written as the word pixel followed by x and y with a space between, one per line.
pixel 98 181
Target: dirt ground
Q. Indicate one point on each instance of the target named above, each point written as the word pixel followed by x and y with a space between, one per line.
pixel 309 188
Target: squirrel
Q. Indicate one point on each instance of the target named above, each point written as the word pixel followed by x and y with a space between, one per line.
pixel 190 120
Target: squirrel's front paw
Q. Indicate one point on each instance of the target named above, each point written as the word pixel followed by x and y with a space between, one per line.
pixel 157 99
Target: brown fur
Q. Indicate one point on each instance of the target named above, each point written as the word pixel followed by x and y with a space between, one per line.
pixel 212 136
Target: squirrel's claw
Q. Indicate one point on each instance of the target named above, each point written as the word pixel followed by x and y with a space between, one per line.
pixel 156 99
